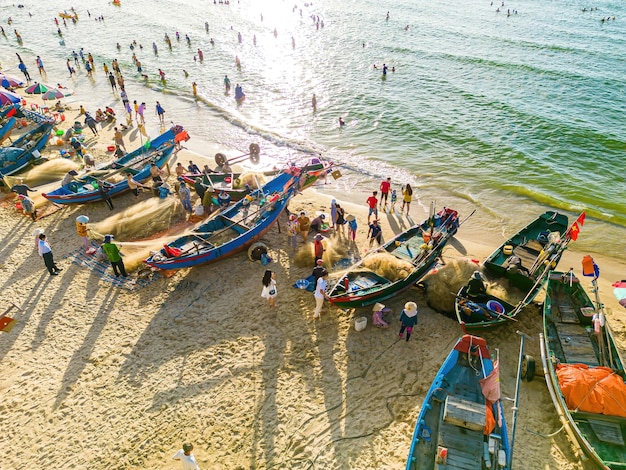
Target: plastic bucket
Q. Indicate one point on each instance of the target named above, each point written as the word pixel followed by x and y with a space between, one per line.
pixel 360 323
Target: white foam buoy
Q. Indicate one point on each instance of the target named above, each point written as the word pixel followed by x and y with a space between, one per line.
pixel 360 323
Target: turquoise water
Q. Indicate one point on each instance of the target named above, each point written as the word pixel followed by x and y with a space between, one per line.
pixel 511 115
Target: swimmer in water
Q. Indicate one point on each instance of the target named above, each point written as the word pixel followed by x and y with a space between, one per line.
pixel 186 73
pixel 314 102
pixel 341 122
pixel 194 87
pixel 226 82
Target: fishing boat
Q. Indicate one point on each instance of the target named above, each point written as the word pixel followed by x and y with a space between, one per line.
pixel 483 313
pixel 231 230
pixel 415 251
pixel 526 258
pixel 457 427
pixel 7 127
pixel 25 150
pixel 584 371
pixel 235 187
pixel 112 176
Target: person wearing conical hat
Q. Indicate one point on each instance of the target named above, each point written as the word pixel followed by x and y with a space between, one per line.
pixel 408 317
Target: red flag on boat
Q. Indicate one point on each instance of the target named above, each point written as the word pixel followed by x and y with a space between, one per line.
pixel 581 219
pixel 573 231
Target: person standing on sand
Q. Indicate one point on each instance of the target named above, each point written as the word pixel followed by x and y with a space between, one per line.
pixel 113 254
pixel 408 317
pixel 341 221
pixel 186 457
pixel 372 203
pixel 333 214
pixel 81 229
pixel 352 226
pixel 119 138
pixel 184 194
pixel 112 81
pixel 46 253
pixel 407 195
pixel 318 247
pixel 293 228
pixel 385 186
pixel 320 295
pixel 375 233
pixel 305 225
pixel 269 288
pixel 160 112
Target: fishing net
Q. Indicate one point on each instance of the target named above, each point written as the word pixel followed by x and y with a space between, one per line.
pixel 388 266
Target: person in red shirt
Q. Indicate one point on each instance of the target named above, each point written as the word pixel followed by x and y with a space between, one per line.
pixel 372 202
pixel 385 187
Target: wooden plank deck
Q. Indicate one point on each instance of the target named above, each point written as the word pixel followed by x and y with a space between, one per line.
pixel 576 344
pixel 465 447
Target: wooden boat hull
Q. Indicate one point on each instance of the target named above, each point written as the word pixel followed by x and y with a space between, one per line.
pixel 366 288
pixel 488 317
pixel 569 338
pixel 203 246
pixel 449 428
pixel 83 190
pixel 530 244
pixel 19 155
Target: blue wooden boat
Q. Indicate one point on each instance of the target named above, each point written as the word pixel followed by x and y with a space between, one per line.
pixel 6 128
pixel 231 230
pixel 450 429
pixel 420 246
pixel 25 150
pixel 5 110
pixel 86 187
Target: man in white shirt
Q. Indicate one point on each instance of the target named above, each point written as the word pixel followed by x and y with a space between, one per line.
pixel 186 457
pixel 46 253
pixel 320 294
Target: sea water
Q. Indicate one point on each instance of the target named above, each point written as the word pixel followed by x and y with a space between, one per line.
pixel 510 113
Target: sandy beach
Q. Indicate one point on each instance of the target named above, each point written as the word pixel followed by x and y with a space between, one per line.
pixel 100 377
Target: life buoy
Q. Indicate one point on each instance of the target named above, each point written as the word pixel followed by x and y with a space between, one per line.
pixel 255 151
pixel 220 159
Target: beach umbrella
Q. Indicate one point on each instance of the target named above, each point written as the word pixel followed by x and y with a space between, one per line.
pixel 10 82
pixel 8 97
pixel 52 94
pixel 37 89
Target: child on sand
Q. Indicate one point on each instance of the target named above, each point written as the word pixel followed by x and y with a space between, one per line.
pixel 187 458
pixel 269 288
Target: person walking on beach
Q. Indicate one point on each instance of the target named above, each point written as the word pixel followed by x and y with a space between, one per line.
pixel 91 122
pixel 372 203
pixel 115 257
pixel 407 195
pixel 320 295
pixel 186 457
pixel 333 213
pixel 269 288
pixel 385 186
pixel 24 70
pixel 408 317
pixel 112 81
pixel 140 110
pixel 160 112
pixel 45 251
pixel 375 233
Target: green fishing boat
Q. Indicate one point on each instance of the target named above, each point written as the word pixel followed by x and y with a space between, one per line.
pixel 584 371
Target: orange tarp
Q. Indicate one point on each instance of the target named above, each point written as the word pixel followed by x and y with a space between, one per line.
pixel 592 389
